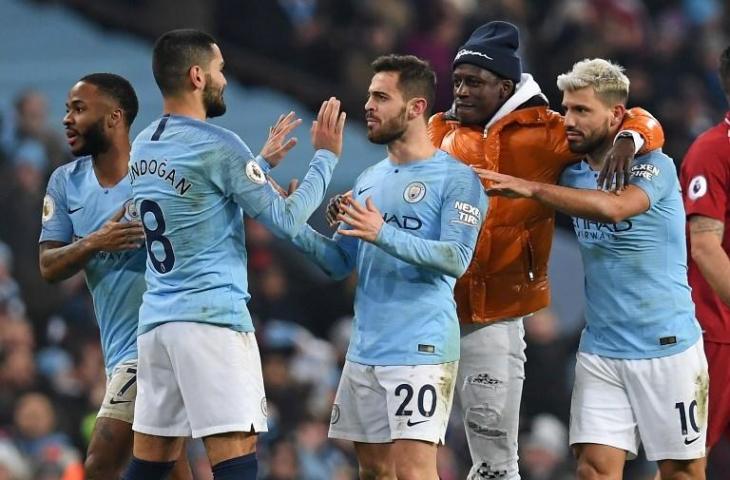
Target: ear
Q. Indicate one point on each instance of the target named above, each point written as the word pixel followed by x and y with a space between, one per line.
pixel 505 89
pixel 115 118
pixel 197 77
pixel 618 112
pixel 417 107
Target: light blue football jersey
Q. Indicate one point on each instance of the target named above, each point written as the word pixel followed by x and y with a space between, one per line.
pixel 405 312
pixel 75 206
pixel 191 180
pixel 638 302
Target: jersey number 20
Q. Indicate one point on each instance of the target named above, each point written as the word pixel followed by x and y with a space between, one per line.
pixel 157 235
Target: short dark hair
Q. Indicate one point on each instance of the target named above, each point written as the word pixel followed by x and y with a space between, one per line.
pixel 416 77
pixel 173 55
pixel 117 88
pixel 725 70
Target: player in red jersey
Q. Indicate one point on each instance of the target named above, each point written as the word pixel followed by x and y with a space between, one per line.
pixel 705 180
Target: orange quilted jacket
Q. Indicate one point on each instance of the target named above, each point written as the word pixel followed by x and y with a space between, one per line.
pixel 508 274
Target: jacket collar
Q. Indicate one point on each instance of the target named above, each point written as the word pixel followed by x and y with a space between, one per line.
pixel 524 91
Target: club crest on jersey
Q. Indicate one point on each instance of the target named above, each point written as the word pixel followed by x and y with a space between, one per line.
pixel 254 173
pixel 414 193
pixel 130 211
pixel 697 187
pixel 49 208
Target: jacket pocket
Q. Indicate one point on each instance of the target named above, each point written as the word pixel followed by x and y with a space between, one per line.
pixel 528 253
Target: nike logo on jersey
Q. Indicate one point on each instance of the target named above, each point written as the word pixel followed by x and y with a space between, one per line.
pixel 117 402
pixel 74 210
pixel 413 424
pixel 359 192
pixel 690 442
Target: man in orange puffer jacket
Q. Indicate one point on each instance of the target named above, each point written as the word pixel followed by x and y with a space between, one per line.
pixel 501 121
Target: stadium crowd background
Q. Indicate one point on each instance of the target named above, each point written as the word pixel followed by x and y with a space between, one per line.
pixel 51 371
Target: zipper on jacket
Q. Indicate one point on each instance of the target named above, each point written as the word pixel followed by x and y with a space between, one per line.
pixel 530 258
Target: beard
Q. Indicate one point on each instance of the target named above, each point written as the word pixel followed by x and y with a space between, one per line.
pixel 213 99
pixel 94 140
pixel 589 143
pixel 391 130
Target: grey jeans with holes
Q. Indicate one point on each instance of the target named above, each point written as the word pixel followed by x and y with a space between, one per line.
pixel 489 390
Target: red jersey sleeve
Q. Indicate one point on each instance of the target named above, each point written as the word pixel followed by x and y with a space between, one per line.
pixel 705 182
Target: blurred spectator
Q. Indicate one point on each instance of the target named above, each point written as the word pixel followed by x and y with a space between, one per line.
pixel 35 435
pixel 548 380
pixel 283 462
pixel 272 297
pixel 29 128
pixel 436 36
pixel 318 457
pixel 9 289
pixel 544 451
pixel 12 464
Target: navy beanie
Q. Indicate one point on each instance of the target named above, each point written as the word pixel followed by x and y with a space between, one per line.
pixel 493 46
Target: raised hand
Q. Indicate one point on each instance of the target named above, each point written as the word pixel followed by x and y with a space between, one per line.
pixel 115 236
pixel 334 208
pixel 328 128
pixel 365 221
pixel 277 144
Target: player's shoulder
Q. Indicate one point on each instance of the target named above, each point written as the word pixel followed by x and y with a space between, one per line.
pixel 221 135
pixel 72 169
pixel 574 173
pixel 453 167
pixel 655 157
pixel 378 169
pixel 710 145
pixel 188 130
pixel 653 164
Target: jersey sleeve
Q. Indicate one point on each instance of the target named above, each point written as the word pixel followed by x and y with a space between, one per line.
pixel 241 177
pixel 705 184
pixel 655 175
pixel 336 256
pixel 238 175
pixel 463 208
pixel 55 221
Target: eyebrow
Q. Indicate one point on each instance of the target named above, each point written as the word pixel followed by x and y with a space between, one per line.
pixel 577 105
pixel 378 92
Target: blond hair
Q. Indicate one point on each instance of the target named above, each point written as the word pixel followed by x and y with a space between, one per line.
pixel 606 78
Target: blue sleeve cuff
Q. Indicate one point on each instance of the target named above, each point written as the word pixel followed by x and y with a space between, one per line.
pixel 385 235
pixel 263 163
pixel 325 155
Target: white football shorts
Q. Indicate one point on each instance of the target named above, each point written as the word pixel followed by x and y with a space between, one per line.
pixel 380 404
pixel 660 402
pixel 197 379
pixel 121 391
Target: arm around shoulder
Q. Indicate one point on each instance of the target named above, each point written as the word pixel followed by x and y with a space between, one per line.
pixel 643 122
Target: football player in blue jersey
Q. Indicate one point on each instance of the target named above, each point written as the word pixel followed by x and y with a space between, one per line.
pixel 199 369
pixel 89 224
pixel 641 373
pixel 409 231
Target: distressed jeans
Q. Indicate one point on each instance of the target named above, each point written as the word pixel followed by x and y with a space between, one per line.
pixel 489 390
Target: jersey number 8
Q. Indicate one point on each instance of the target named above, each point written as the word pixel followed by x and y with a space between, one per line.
pixel 156 235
